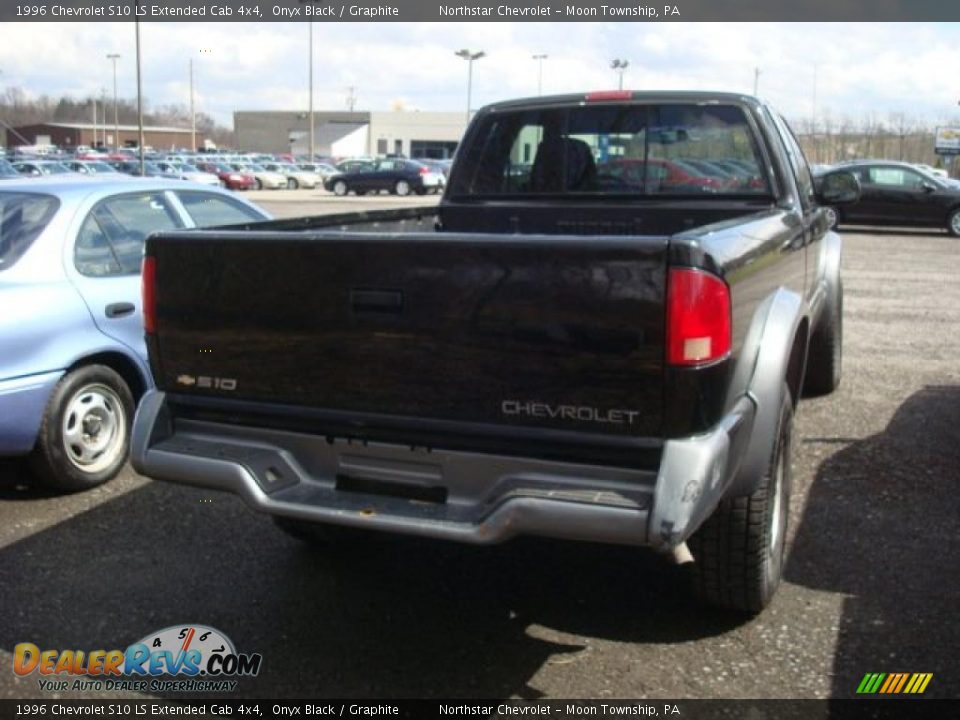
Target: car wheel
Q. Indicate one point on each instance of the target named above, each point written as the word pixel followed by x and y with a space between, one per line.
pixel 402 188
pixel 223 183
pixel 833 217
pixel 739 552
pixel 953 223
pixel 84 438
pixel 825 355
pixel 340 188
pixel 292 184
pixel 257 185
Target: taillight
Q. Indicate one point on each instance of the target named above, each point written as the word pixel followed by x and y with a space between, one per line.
pixel 148 286
pixel 424 170
pixel 698 317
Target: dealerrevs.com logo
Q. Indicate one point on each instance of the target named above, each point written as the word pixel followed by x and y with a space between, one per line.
pixel 180 658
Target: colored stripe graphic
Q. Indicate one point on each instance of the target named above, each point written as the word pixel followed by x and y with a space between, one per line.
pixel 894 683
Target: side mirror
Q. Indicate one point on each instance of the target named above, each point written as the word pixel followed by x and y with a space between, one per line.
pixel 839 187
pixel 928 186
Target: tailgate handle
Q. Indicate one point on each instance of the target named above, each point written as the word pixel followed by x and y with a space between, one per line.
pixel 376 301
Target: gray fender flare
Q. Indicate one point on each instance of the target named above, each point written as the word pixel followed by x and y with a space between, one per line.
pixel 770 340
pixel 830 258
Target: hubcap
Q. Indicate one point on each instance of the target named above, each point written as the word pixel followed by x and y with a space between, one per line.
pixel 955 223
pixel 831 217
pixel 94 428
pixel 402 188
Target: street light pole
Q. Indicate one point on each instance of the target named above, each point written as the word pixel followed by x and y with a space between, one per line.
pixel 193 114
pixel 116 120
pixel 312 148
pixel 140 105
pixel 469 57
pixel 620 66
pixel 756 79
pixel 540 58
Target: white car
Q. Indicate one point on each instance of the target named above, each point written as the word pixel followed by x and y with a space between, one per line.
pixel 265 180
pixel 185 171
pixel 296 178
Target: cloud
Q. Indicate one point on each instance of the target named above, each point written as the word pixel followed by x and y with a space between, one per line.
pixel 860 68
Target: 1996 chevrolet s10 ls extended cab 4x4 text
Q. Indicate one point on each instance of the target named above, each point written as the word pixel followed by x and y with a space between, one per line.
pixel 600 334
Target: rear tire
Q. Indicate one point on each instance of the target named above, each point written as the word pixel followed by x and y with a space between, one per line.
pixel 84 438
pixel 739 552
pixel 292 184
pixel 257 185
pixel 825 356
pixel 402 188
pixel 340 188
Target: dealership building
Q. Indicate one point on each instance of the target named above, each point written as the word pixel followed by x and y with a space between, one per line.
pixel 70 135
pixel 346 134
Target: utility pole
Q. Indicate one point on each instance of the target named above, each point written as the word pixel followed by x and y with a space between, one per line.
pixel 540 58
pixel 756 79
pixel 351 98
pixel 312 148
pixel 94 101
pixel 193 114
pixel 116 120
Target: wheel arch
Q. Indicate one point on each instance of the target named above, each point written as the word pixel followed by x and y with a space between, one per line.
pixel 775 353
pixel 121 364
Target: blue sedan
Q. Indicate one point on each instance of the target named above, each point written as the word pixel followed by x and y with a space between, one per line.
pixel 72 353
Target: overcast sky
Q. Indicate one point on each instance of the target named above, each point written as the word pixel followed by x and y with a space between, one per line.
pixel 860 68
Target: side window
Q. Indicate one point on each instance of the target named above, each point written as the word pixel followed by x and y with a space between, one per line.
pixel 92 254
pixel 895 178
pixel 798 162
pixel 117 228
pixel 209 210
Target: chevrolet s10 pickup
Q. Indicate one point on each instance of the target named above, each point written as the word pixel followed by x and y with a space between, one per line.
pixel 601 334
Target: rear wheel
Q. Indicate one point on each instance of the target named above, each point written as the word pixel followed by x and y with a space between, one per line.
pixel 739 552
pixel 257 185
pixel 84 438
pixel 953 223
pixel 825 356
pixel 292 184
pixel 340 188
pixel 402 188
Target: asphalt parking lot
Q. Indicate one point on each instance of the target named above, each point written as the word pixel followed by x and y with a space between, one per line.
pixel 872 584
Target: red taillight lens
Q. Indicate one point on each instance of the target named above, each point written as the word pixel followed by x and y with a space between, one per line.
pixel 424 170
pixel 148 285
pixel 698 317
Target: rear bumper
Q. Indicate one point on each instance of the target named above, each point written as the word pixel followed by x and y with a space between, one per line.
pixel 22 402
pixel 452 495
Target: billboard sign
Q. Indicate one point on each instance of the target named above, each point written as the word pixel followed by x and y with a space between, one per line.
pixel 947 141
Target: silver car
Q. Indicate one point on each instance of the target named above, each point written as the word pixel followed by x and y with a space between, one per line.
pixel 73 362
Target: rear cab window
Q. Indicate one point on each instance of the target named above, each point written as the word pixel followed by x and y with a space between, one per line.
pixel 634 150
pixel 23 216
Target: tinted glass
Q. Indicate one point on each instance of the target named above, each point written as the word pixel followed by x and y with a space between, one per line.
pixel 23 216
pixel 894 177
pixel 209 209
pixel 634 150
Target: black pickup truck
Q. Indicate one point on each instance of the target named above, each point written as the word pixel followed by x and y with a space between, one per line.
pixel 601 333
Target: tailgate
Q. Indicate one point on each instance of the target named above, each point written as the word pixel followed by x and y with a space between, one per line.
pixel 552 332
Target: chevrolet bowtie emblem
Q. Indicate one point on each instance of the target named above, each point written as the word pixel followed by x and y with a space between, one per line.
pixel 186 380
